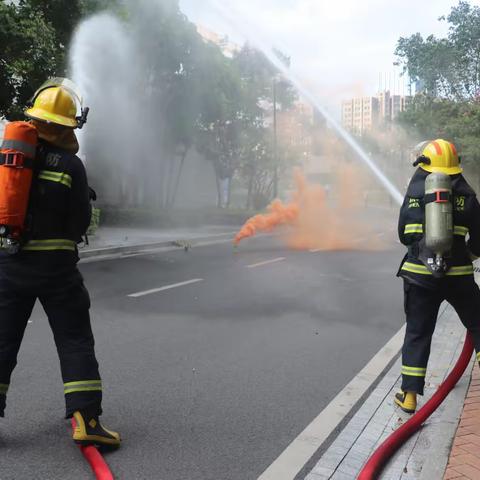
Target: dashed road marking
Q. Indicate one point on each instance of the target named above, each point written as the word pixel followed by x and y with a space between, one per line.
pixel 266 262
pixel 166 287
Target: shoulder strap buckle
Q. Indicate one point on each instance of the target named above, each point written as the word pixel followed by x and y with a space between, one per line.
pixel 15 160
pixel 438 196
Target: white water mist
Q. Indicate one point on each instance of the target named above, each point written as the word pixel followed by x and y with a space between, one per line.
pixel 102 64
pixel 125 143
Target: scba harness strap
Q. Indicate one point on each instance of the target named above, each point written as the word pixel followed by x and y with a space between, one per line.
pixel 440 196
pixel 16 160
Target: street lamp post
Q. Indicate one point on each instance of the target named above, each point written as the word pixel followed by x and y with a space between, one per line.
pixel 275 143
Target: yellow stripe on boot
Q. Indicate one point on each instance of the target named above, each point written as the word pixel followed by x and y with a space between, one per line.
pixel 89 431
pixel 407 401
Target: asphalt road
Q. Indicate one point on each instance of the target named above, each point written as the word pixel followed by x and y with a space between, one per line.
pixel 210 380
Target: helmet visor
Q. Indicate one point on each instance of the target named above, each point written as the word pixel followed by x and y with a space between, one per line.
pixel 419 148
pixel 61 82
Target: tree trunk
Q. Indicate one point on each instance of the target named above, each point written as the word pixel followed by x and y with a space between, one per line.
pixel 229 192
pixel 219 192
pixel 177 181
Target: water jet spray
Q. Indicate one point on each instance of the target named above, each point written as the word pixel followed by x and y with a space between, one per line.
pixel 241 24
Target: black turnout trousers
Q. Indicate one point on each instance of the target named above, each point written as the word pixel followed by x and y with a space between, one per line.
pixel 55 280
pixel 421 307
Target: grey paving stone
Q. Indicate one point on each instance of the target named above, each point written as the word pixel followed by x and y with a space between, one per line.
pixel 341 476
pixel 314 476
pixel 378 418
pixel 322 472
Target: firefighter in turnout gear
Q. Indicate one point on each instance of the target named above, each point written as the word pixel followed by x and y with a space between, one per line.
pixel 45 267
pixel 430 278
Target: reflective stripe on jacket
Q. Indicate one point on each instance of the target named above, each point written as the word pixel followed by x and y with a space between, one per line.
pixel 50 245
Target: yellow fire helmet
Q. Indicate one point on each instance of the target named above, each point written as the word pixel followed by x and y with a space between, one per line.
pixel 55 102
pixel 440 156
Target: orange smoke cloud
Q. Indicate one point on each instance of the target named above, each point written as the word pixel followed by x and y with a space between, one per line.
pixel 317 218
pixel 279 214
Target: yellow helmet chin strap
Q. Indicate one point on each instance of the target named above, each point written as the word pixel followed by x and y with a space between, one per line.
pixel 82 119
pixel 422 159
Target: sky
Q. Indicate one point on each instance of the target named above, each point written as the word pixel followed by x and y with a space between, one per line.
pixel 338 48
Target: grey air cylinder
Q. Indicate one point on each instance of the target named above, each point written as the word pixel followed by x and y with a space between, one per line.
pixel 439 214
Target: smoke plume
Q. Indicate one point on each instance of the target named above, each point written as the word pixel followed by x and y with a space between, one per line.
pixel 320 218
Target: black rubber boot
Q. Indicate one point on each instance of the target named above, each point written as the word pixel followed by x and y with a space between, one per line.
pixel 89 431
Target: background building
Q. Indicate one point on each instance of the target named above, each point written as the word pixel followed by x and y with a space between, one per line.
pixel 385 105
pixel 399 104
pixel 360 114
pixel 364 114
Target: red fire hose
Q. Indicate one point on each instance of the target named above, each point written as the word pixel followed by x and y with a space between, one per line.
pixel 94 458
pixel 375 463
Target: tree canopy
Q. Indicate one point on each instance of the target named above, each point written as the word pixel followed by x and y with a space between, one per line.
pixel 446 67
pixel 448 71
pixel 35 36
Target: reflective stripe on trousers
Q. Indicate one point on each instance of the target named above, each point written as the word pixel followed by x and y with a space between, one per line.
pixel 414 371
pixel 82 386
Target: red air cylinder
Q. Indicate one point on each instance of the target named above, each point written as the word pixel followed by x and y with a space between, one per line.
pixel 17 154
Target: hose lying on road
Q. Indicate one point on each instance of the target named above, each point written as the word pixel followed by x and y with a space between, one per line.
pixel 375 463
pixel 97 462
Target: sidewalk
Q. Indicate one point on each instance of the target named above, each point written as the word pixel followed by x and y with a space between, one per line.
pixel 124 240
pixel 464 462
pixel 425 455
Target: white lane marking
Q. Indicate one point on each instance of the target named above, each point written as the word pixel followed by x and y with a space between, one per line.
pixel 166 287
pixel 301 450
pixel 315 250
pixel 267 262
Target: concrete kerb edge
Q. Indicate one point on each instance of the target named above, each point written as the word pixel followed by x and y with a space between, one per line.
pixel 146 247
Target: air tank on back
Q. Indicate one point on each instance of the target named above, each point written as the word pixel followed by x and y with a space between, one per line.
pixel 438 218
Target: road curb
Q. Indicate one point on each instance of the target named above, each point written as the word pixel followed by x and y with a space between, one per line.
pixel 96 253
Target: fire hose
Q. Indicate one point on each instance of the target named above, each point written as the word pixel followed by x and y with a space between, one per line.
pixel 96 461
pixel 375 463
